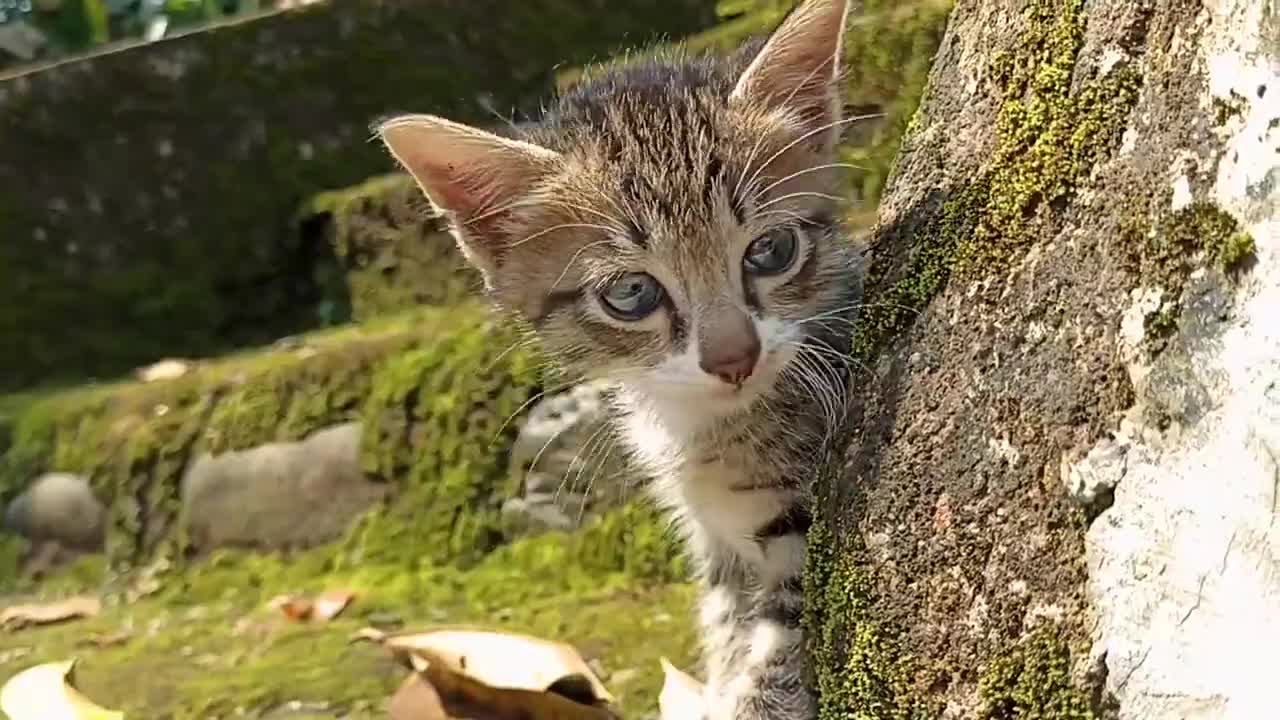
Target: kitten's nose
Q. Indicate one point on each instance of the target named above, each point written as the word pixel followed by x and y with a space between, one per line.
pixel 728 346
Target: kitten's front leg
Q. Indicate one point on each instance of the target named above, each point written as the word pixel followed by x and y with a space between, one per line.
pixel 757 664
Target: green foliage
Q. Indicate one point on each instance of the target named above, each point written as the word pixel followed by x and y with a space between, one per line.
pixel 1032 681
pixel 211 644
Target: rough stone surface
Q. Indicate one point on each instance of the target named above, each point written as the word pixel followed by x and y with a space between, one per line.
pixel 566 464
pixel 1185 566
pixel 955 581
pixel 61 508
pixel 278 495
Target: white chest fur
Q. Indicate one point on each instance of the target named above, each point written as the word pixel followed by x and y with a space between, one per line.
pixel 712 498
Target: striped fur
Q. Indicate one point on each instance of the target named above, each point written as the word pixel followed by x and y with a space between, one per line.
pixel 673 167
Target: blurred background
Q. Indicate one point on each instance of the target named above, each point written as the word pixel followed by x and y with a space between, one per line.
pixel 241 360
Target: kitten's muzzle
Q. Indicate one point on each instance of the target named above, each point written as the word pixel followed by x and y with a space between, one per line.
pixel 728 346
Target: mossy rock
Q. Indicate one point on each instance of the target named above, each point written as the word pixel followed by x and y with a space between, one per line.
pixel 432 389
pixel 393 252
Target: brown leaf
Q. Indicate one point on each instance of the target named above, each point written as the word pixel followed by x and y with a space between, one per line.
pixel 490 675
pixel 294 607
pixel 20 616
pixel 465 697
pixel 331 604
pixel 101 640
pixel 505 660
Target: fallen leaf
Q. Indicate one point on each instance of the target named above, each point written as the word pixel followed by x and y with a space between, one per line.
pixel 101 640
pixel 505 661
pixel 20 616
pixel 490 675
pixel 294 607
pixel 681 696
pixel 416 699
pixel 331 604
pixel 48 692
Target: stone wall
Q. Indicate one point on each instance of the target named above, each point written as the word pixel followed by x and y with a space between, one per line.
pixel 1059 501
pixel 147 195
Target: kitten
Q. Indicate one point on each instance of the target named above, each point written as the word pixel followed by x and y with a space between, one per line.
pixel 671 227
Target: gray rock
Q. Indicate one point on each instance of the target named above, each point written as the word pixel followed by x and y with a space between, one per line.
pixel 566 463
pixel 59 508
pixel 279 495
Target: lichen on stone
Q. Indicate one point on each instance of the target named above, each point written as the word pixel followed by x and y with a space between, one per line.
pixel 1050 132
pixel 862 673
pixel 1057 119
pixel 1032 681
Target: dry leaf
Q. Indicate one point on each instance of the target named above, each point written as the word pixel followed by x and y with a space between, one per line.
pixel 681 696
pixel 294 607
pixel 331 604
pixel 48 692
pixel 322 609
pixel 20 616
pixel 490 675
pixel 505 660
pixel 416 699
pixel 101 640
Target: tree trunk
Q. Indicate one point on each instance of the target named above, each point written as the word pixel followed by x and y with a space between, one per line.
pixel 1059 495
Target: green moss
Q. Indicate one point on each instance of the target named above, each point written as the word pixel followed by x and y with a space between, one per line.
pixel 1033 682
pixel 206 644
pixel 1049 135
pixel 432 388
pixel 393 253
pixel 1235 251
pixel 1165 252
pixel 862 672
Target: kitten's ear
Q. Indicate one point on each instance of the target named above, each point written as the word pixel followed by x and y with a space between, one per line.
pixel 469 175
pixel 797 69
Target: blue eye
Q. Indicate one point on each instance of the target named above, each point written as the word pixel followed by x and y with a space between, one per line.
pixel 632 297
pixel 772 252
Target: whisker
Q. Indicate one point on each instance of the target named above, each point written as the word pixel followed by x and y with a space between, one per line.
pixel 561 226
pixel 573 258
pixel 788 196
pixel 806 171
pixel 821 128
pixel 585 447
pixel 536 396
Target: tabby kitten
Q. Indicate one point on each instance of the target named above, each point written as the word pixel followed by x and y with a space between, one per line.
pixel 671 227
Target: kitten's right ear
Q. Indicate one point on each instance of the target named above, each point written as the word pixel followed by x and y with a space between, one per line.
pixel 469 175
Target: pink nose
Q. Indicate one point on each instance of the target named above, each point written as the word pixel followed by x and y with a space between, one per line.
pixel 735 366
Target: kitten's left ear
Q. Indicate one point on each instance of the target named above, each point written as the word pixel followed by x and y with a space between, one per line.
pixel 798 67
pixel 471 176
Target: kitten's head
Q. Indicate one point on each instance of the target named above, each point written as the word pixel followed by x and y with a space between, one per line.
pixel 671 225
